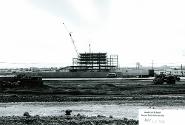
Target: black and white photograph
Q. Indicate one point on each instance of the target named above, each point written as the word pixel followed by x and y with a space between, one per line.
pixel 92 62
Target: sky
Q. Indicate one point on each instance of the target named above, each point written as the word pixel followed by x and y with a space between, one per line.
pixel 32 33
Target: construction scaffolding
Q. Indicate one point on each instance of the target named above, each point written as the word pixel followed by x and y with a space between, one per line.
pixel 94 62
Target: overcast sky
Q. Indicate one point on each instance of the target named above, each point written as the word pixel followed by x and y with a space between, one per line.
pixel 32 31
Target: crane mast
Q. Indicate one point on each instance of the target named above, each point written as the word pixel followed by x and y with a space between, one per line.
pixel 70 35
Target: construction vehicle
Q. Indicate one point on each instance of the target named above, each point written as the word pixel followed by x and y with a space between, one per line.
pixel 169 79
pixel 111 75
pixel 20 80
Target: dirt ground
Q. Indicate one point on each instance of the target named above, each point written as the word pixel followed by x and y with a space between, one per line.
pixel 66 120
pixel 96 90
pixel 143 92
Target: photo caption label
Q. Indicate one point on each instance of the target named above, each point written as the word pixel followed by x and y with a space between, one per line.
pixel 161 116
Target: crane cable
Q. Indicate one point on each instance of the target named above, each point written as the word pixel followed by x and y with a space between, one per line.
pixel 71 39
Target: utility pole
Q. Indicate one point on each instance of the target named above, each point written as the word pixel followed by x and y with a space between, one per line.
pixel 181 70
pixel 89 48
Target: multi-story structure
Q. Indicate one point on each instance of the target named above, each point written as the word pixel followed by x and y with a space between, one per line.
pixel 94 62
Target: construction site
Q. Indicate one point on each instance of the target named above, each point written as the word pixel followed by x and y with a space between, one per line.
pixel 95 62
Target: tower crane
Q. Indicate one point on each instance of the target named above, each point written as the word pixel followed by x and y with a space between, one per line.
pixel 70 35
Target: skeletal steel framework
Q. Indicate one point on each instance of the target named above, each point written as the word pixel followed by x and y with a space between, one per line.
pixel 94 62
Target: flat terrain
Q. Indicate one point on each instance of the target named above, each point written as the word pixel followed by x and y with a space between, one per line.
pixel 96 90
pixel 139 92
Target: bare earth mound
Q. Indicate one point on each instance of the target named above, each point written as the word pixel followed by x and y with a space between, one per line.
pixel 65 120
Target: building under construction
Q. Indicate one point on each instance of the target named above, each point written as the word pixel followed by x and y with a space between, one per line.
pixel 94 62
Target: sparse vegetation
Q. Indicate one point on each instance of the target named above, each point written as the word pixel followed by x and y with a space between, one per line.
pixel 65 120
pixel 130 91
pixel 90 91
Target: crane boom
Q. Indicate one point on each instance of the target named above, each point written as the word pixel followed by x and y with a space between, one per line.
pixel 70 35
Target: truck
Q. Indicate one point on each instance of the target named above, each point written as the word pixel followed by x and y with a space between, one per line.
pixel 162 78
